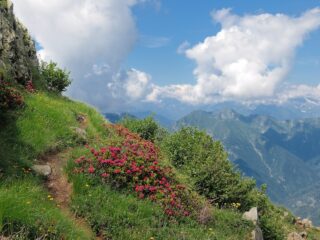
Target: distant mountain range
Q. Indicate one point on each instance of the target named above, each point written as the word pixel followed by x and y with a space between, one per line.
pixel 162 120
pixel 295 108
pixel 284 154
pixel 116 117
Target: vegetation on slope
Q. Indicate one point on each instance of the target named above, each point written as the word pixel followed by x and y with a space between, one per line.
pixel 144 185
pixel 205 163
pixel 46 124
pixel 282 154
pixel 27 212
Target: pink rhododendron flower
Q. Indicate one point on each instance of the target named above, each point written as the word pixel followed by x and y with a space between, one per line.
pixel 91 169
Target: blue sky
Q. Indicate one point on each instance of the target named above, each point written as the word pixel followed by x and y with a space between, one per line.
pixel 134 55
pixel 191 21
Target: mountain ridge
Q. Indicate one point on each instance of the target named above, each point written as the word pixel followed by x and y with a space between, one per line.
pixel 282 153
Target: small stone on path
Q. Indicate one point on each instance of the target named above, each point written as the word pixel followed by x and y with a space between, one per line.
pixel 43 170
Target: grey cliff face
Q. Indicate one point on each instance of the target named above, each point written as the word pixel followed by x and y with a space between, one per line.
pixel 18 55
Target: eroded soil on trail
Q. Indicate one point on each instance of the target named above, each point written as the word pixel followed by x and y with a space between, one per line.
pixel 57 182
pixel 60 189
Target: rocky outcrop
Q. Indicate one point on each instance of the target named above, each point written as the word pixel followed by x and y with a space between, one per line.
pixel 304 223
pixel 297 236
pixel 18 56
pixel 294 236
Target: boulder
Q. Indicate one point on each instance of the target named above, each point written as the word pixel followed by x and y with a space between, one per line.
pixel 251 215
pixel 81 134
pixel 43 170
pixel 304 235
pixel 306 223
pixel 294 236
pixel 81 118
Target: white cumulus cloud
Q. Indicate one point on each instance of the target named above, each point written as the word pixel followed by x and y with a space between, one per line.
pixel 299 91
pixel 130 85
pixel 246 60
pixel 91 38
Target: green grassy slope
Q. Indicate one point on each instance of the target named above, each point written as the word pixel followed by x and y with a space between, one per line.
pixel 26 212
pixel 102 200
pixel 46 125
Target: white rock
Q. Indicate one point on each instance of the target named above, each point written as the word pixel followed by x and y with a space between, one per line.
pixel 294 236
pixel 306 223
pixel 43 170
pixel 81 134
pixel 251 215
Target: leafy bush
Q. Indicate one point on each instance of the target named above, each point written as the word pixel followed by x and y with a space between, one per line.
pixel 272 225
pixel 30 87
pixel 275 221
pixel 147 128
pixel 10 97
pixel 205 161
pixel 57 80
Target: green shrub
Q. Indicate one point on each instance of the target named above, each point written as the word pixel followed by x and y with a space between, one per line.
pixel 205 161
pixel 57 80
pixel 147 128
pixel 272 227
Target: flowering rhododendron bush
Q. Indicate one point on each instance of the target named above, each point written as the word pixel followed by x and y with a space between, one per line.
pixel 10 97
pixel 29 86
pixel 134 164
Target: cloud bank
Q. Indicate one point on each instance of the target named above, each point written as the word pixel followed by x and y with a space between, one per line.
pixel 245 61
pixel 89 38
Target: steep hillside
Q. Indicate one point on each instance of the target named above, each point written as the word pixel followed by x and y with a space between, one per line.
pixel 67 173
pixel 50 124
pixel 282 154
